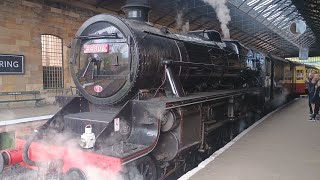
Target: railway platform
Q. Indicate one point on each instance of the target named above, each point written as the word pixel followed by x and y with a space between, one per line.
pixel 15 122
pixel 11 114
pixel 282 146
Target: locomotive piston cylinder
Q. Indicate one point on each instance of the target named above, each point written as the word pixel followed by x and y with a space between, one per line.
pixel 170 119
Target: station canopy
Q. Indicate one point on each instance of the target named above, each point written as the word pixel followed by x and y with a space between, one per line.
pixel 259 24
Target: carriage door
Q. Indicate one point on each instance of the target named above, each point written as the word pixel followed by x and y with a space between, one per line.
pixel 299 79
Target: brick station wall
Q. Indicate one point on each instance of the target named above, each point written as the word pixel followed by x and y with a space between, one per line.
pixel 22 22
pixel 21 25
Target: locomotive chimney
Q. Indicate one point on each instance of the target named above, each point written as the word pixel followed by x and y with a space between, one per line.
pixel 137 10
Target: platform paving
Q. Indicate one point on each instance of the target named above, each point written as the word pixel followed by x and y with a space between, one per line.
pixel 24 120
pixel 285 146
pixel 27 112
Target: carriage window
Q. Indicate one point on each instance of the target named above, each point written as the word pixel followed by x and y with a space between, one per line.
pixel 287 73
pixel 299 74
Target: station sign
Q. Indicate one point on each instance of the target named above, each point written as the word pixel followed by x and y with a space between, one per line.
pixel 11 64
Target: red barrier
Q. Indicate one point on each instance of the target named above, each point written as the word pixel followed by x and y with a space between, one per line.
pixel 13 156
pixel 72 158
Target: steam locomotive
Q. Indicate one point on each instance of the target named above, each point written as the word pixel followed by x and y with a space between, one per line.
pixel 151 102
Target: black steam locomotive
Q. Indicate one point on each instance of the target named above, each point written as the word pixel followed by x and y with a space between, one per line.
pixel 152 102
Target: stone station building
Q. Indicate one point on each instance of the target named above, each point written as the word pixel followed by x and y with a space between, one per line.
pixel 41 32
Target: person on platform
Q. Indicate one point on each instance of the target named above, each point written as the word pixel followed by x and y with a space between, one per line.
pixel 308 88
pixel 314 99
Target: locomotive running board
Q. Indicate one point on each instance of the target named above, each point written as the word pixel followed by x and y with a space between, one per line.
pixel 202 97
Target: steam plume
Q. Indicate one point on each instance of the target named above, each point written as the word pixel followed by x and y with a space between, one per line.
pixel 186 27
pixel 223 14
pixel 179 20
pixel 181 26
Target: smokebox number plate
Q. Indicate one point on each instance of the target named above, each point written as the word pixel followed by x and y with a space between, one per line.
pixel 96 48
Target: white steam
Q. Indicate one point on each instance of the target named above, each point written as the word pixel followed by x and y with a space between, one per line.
pixel 280 99
pixel 181 25
pixel 223 14
pixel 71 151
pixel 186 27
pixel 20 173
pixel 179 20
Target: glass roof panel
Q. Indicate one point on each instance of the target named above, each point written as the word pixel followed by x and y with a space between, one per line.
pixel 262 4
pixel 251 3
pixel 276 15
pixel 249 18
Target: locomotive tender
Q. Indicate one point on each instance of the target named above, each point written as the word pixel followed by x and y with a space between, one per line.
pixel 152 102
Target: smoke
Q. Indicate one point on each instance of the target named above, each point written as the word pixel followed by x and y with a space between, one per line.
pixel 223 14
pixel 181 26
pixel 72 152
pixel 71 145
pixel 179 20
pixel 280 98
pixel 70 142
pixel 186 27
pixel 20 173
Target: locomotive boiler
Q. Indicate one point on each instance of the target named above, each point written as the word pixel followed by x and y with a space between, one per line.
pixel 151 102
pixel 113 58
